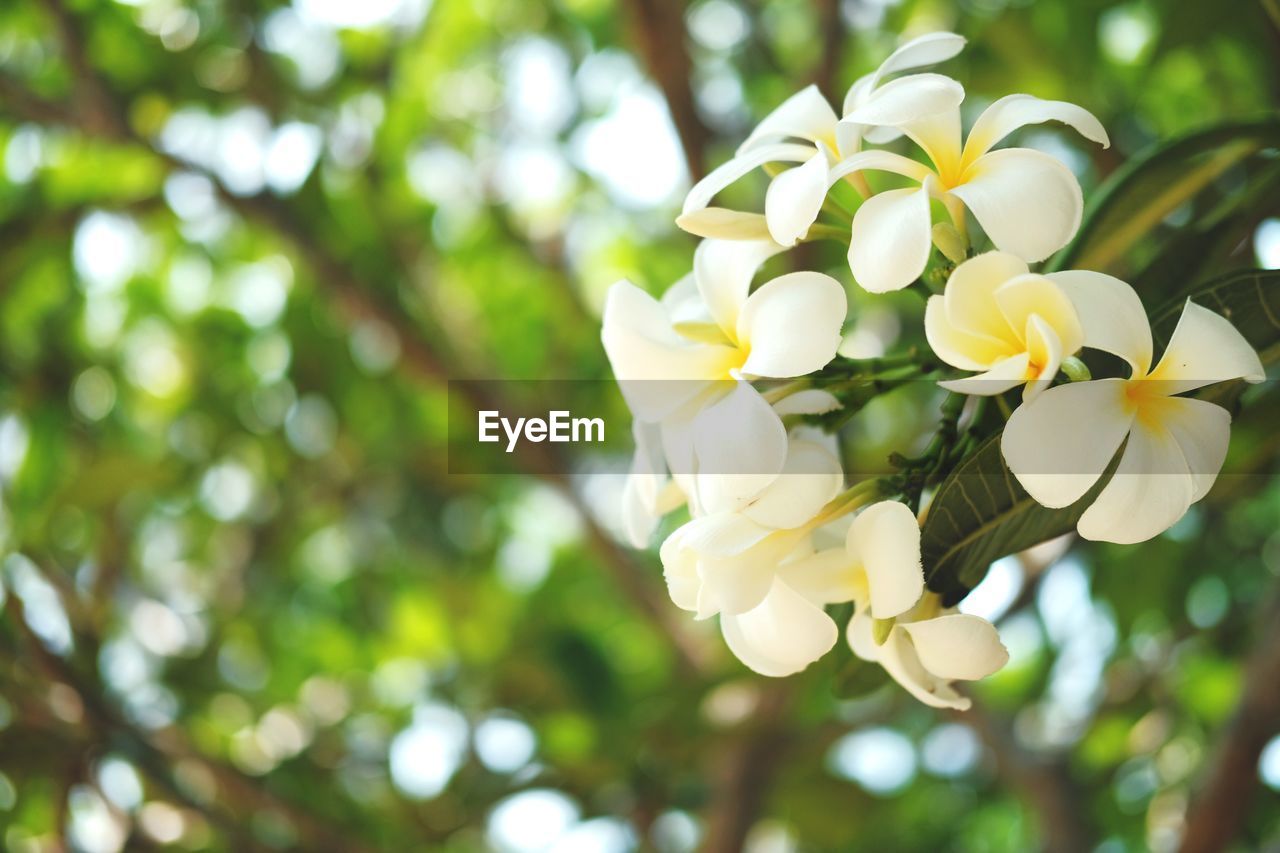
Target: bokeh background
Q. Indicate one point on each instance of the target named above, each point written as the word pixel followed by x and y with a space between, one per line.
pixel 243 247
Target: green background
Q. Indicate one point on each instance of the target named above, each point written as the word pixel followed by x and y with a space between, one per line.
pixel 242 250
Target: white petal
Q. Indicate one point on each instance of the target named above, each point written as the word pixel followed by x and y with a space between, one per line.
pixel 1003 375
pixel 857 93
pixel 719 178
pixel 957 347
pixel 683 303
pixel 805 115
pixel 1026 296
pixel 722 271
pixel 970 295
pixel 719 535
pixel 908 99
pixel 794 198
pixel 939 135
pixel 1058 444
pixel 874 135
pixel 741 446
pixel 957 646
pixel 1046 352
pixel 738 583
pixel 891 238
pixel 1111 315
pixel 898 657
pixel 680 570
pixel 1203 433
pixel 643 347
pixel 879 161
pixel 811 477
pixel 1027 202
pixel 1150 491
pixel 825 577
pixel 928 49
pixel 792 325
pixel 1014 111
pixel 1205 348
pixel 885 540
pixel 810 401
pixel 860 636
pixel 646 481
pixel 782 635
pixel 724 224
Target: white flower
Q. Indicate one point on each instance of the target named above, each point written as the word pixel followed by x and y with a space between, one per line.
pixel 796 195
pixel 928 648
pixel 686 362
pixel 925 50
pixel 924 648
pixel 725 557
pixel 650 492
pixel 996 317
pixel 1027 202
pixel 1059 444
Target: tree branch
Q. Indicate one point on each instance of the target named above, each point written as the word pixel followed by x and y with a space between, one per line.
pixel 1043 784
pixel 659 29
pixel 831 25
pixel 746 772
pixel 1230 783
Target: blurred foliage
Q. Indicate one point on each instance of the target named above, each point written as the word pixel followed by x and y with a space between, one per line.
pixel 244 243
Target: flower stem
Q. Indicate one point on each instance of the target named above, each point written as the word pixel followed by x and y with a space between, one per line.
pixel 855 497
pixel 823 231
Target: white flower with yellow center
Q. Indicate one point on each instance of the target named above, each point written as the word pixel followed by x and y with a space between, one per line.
pixel 776 625
pixel 687 362
pixel 1011 325
pixel 896 623
pixel 796 195
pixel 1059 444
pixel 1027 202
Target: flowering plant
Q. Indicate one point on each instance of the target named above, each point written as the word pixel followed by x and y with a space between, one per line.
pixel 739 394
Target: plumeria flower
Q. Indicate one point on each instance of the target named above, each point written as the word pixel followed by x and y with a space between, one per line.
pixel 1027 202
pixel 687 362
pixel 996 317
pixel 900 626
pixel 930 647
pixel 1059 444
pixel 654 489
pixel 725 561
pixel 796 195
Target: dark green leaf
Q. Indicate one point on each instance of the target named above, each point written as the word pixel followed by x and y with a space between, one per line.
pixel 981 514
pixel 1140 196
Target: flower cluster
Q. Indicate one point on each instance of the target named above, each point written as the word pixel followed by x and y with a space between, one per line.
pixel 774 535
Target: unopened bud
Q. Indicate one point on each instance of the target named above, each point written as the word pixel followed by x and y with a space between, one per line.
pixel 1075 369
pixel 949 242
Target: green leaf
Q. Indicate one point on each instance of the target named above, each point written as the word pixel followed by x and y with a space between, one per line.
pixel 981 514
pixel 1141 195
pixel 1204 248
